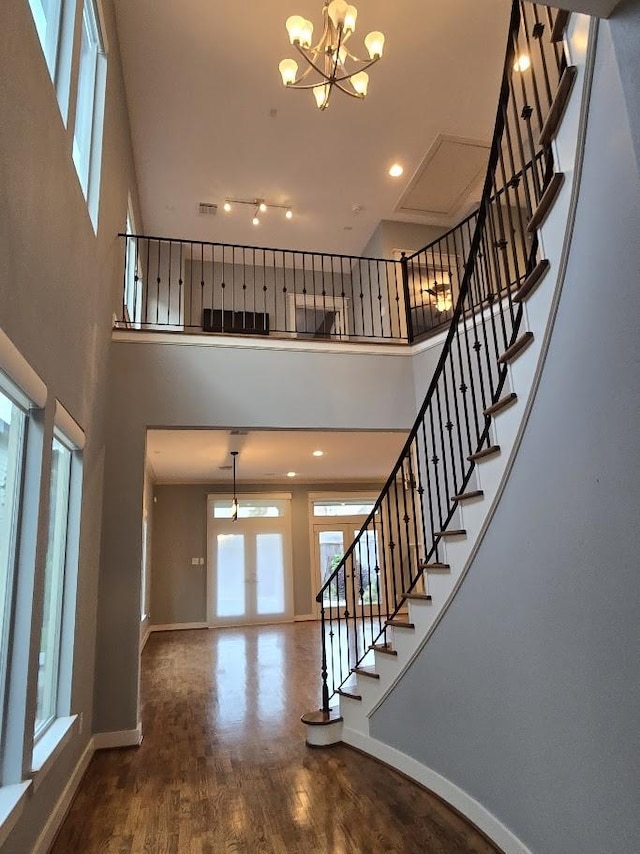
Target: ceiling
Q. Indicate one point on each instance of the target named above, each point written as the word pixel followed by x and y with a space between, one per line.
pixel 210 118
pixel 265 456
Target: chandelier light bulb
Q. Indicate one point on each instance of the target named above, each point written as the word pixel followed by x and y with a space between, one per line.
pixel 288 70
pixel 321 94
pixel 374 44
pixel 360 83
pixel 306 34
pixel 337 11
pixel 350 19
pixel 255 220
pixel 295 27
pixel 227 207
pixel 289 213
pixel 343 53
pixel 262 207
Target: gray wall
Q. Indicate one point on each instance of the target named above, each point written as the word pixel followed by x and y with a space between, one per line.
pixel 165 385
pixel 178 590
pixel 527 695
pixel 58 285
pixel 625 25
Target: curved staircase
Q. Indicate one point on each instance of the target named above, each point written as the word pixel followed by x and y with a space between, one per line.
pixel 380 606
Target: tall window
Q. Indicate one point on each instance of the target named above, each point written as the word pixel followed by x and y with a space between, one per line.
pixel 12 433
pixel 87 135
pixel 54 24
pixel 50 638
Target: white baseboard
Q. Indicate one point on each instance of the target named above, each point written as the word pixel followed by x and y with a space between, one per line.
pixel 175 627
pixel 59 812
pixel 123 738
pixel 440 786
pixel 305 618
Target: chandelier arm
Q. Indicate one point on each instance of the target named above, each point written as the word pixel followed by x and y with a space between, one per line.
pixel 348 91
pixel 349 76
pixel 313 65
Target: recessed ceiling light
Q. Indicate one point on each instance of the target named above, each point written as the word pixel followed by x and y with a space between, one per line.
pixel 227 207
pixel 396 170
pixel 522 63
pixel 289 213
pixel 318 453
pixel 291 474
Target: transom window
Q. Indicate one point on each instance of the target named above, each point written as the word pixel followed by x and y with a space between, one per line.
pixel 343 507
pixel 249 508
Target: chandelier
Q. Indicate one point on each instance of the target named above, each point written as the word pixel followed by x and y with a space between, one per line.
pixel 330 58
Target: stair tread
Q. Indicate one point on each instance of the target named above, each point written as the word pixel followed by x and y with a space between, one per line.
pixel 386 649
pixel 557 108
pixel 345 693
pixel 321 718
pixel 516 348
pixel 501 404
pixel 366 671
pixel 485 452
pixel 400 624
pixel 421 597
pixel 468 496
pixel 532 281
pixel 546 202
pixel 452 532
pixel 436 565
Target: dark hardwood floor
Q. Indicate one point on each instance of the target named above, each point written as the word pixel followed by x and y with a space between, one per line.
pixel 223 768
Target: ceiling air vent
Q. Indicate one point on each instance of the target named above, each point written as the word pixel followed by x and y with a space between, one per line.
pixel 225 468
pixel 238 432
pixel 208 208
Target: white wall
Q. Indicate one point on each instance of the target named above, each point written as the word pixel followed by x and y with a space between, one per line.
pixel 527 695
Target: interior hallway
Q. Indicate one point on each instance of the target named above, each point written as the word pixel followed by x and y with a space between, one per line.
pixel 223 766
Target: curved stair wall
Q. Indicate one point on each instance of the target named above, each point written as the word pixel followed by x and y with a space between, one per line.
pixel 521 708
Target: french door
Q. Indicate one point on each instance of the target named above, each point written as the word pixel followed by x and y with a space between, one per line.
pixel 249 561
pixel 361 585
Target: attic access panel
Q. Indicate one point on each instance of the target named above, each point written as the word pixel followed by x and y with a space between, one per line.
pixel 450 172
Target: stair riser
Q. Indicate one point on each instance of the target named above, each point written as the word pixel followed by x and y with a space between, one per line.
pixel 404 640
pixel 421 615
pixel 387 666
pixel 352 714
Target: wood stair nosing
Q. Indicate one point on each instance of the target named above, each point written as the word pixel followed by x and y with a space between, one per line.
pixel 387 650
pixel 560 100
pixel 516 348
pixel 560 25
pixel 501 404
pixel 436 566
pixel 546 202
pixel 469 496
pixel 363 671
pixel 454 532
pixel 400 624
pixel 532 281
pixel 491 451
pixel 346 693
pixel 418 597
pixel 321 718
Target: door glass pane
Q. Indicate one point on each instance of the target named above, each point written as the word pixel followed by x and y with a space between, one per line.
pixel 230 584
pixel 331 548
pixel 365 554
pixel 270 574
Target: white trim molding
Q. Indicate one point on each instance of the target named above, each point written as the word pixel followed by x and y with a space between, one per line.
pixel 16 367
pixel 11 805
pixel 121 738
pixel 440 786
pixel 176 627
pixel 59 812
